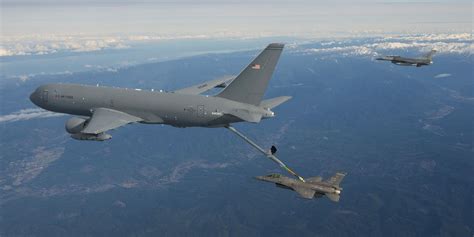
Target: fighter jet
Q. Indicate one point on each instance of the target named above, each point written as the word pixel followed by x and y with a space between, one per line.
pixel 98 109
pixel 313 187
pixel 418 62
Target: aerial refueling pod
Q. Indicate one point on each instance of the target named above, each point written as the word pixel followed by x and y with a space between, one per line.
pixel 75 125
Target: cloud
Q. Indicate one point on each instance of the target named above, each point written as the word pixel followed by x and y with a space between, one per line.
pixel 26 77
pixel 6 52
pixel 345 50
pixel 441 47
pixel 23 78
pixel 442 75
pixel 106 68
pixel 42 45
pixel 443 43
pixel 434 37
pixel 27 114
pixel 50 44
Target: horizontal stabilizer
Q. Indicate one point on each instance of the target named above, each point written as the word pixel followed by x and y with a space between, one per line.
pixel 333 197
pixel 274 102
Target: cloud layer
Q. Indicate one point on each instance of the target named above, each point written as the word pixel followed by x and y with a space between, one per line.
pixel 442 75
pixel 50 44
pixel 27 114
pixel 41 45
pixel 443 43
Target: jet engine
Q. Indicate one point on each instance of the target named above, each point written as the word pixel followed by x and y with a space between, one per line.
pixel 75 125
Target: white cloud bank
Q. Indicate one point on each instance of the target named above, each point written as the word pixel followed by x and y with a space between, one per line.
pixel 434 37
pixel 443 43
pixel 41 45
pixel 27 114
pixel 49 44
pixel 442 75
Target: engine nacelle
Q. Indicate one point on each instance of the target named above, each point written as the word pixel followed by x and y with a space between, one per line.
pixel 91 137
pixel 75 125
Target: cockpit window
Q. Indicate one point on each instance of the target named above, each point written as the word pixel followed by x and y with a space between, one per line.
pixel 274 175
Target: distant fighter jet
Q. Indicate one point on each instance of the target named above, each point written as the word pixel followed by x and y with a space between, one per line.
pixel 313 187
pixel 418 62
pixel 100 109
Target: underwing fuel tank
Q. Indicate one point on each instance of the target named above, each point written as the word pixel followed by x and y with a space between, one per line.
pixel 91 137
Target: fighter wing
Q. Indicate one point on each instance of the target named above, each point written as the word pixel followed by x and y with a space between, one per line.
pixel 305 193
pixel 314 179
pixel 104 119
pixel 205 86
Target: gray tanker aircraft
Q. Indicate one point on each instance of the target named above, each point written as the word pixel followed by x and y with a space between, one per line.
pixel 418 62
pixel 99 109
pixel 313 187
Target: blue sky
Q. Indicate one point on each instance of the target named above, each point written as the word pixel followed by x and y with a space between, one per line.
pixel 308 18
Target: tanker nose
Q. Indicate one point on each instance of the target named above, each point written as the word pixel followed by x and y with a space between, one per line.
pixel 34 97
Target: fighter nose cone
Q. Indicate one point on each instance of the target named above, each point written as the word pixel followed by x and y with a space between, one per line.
pixel 262 178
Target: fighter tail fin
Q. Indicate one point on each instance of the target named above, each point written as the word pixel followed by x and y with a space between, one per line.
pixel 336 179
pixel 250 85
pixel 430 54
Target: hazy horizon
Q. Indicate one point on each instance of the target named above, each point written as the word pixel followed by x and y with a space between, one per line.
pixel 233 18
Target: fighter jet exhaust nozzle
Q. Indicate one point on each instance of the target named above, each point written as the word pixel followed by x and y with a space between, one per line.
pixel 268 114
